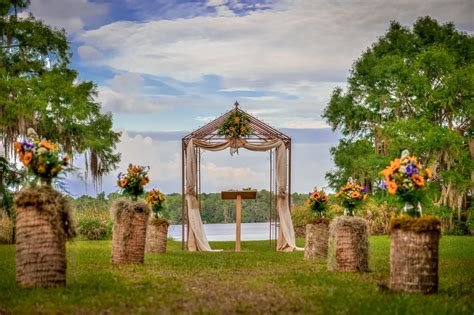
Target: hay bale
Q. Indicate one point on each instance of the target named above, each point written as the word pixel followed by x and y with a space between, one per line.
pixel 348 247
pixel 129 232
pixel 157 236
pixel 414 254
pixel 317 235
pixel 44 223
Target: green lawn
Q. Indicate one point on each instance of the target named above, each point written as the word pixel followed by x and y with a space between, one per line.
pixel 257 280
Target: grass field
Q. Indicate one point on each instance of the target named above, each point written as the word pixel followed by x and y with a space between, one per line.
pixel 257 280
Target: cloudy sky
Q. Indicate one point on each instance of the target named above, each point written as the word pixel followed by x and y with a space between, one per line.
pixel 166 67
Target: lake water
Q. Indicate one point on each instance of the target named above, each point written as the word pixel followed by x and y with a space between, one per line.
pixel 226 232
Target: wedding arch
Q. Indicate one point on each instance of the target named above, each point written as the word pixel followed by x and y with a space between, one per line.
pixel 261 137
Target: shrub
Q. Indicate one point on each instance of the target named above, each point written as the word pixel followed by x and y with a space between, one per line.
pixel 94 225
pixel 300 217
pixel 6 230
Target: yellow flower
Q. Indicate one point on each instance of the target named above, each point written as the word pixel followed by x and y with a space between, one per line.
pixel 429 173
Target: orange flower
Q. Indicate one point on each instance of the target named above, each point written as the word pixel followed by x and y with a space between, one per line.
pixel 392 187
pixel 338 194
pixel 387 173
pixel 18 146
pixel 45 144
pixel 144 181
pixel 315 195
pixel 355 195
pixel 324 198
pixel 429 173
pixel 27 158
pixel 308 203
pixel 236 120
pixel 418 180
pixel 242 129
pixel 395 164
pixel 123 182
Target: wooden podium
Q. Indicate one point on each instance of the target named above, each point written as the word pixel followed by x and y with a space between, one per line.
pixel 238 195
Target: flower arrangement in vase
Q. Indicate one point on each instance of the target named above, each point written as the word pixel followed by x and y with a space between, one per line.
pixel 317 202
pixel 351 196
pixel 317 229
pixel 156 200
pixel 406 178
pixel 43 159
pixel 157 233
pixel 235 125
pixel 134 181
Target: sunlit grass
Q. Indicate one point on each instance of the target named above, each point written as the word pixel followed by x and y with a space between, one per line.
pixel 257 280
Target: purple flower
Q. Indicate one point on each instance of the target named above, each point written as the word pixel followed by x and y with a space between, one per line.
pixel 383 184
pixel 364 189
pixel 309 193
pixel 411 169
pixel 27 146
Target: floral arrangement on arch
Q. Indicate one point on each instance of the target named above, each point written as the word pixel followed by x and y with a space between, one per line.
pixel 317 202
pixel 236 125
pixel 351 196
pixel 134 180
pixel 156 200
pixel 42 158
pixel 406 178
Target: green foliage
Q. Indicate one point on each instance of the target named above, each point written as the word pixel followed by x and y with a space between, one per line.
pixel 412 89
pixel 236 125
pixel 257 280
pixel 300 217
pixel 51 99
pixel 94 224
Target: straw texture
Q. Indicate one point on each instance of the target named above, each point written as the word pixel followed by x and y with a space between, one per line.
pixel 44 223
pixel 317 235
pixel 414 261
pixel 348 245
pixel 129 232
pixel 157 236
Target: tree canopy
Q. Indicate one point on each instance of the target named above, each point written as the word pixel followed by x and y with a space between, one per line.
pixel 412 89
pixel 38 89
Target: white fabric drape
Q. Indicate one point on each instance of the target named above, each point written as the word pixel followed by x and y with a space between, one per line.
pixel 197 240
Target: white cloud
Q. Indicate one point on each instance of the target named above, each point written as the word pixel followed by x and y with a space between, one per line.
pixel 72 15
pixel 124 94
pixel 88 53
pixel 311 38
pixel 205 119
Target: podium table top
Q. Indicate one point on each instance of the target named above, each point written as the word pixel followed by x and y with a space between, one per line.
pixel 244 194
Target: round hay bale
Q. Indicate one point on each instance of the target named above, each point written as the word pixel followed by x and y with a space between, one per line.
pixel 157 236
pixel 129 232
pixel 317 235
pixel 44 223
pixel 348 247
pixel 414 254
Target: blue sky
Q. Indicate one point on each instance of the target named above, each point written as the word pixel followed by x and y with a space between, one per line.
pixel 165 66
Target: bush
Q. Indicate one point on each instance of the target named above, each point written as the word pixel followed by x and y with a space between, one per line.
pixel 300 217
pixel 6 230
pixel 94 225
